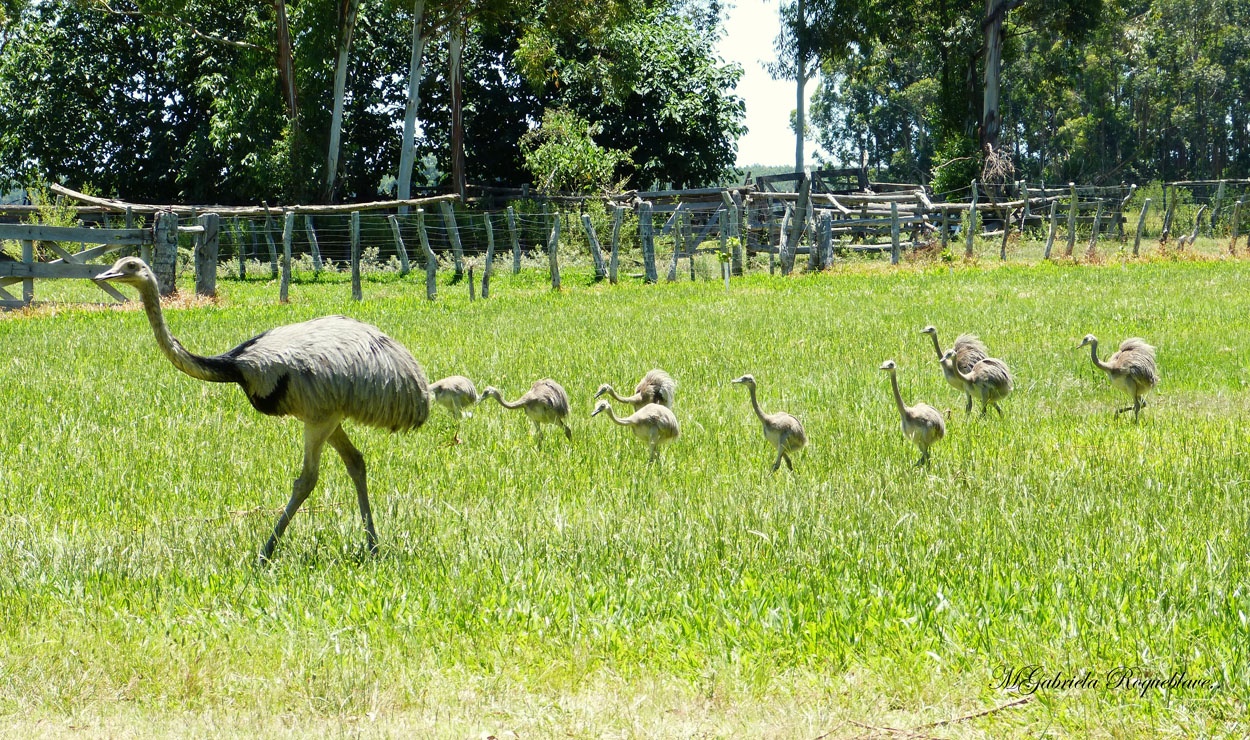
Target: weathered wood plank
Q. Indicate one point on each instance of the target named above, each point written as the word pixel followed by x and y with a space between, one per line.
pixel 83 234
pixel 1141 224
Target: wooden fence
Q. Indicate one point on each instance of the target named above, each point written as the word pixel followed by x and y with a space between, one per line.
pixel 667 230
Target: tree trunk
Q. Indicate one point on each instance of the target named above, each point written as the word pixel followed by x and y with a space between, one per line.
pixel 286 66
pixel 800 79
pixel 456 47
pixel 408 147
pixel 993 26
pixel 349 11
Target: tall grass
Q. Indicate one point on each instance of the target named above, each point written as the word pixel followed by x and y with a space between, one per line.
pixel 581 590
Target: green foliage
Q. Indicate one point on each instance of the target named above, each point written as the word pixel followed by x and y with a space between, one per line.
pixel 562 156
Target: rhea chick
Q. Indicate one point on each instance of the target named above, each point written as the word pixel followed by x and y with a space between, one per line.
pixel 784 431
pixel 457 394
pixel 654 424
pixel 1132 369
pixel 968 352
pixel 656 386
pixel 544 403
pixel 922 423
pixel 990 379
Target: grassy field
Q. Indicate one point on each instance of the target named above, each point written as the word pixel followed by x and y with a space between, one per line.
pixel 580 591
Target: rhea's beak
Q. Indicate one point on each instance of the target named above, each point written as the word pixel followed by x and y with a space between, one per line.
pixel 108 274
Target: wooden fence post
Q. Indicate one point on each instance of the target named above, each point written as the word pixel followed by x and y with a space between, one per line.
pixel 1215 208
pixel 826 241
pixel 472 297
pixel 797 222
pixel 646 235
pixel 313 246
pixel 1119 211
pixel 596 253
pixel 688 239
pixel 972 223
pixel 1072 208
pixel 288 229
pixel 1236 226
pixel 553 250
pixel 1093 235
pixel 453 235
pixel 28 285
pixel 1141 224
pixel 273 247
pixel 404 266
pixel 1167 218
pixel 355 236
pixel 516 241
pixel 946 225
pixel 243 234
pixel 672 265
pixel 614 260
pixel 1050 233
pixel 894 236
pixel 1002 249
pixel 785 248
pixel 1197 221
pixel 431 262
pixel 206 250
pixel 741 220
pixel 490 256
pixel 165 251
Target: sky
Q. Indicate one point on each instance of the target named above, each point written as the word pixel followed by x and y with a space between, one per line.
pixel 750 29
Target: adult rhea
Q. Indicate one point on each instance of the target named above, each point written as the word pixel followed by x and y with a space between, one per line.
pixel 321 371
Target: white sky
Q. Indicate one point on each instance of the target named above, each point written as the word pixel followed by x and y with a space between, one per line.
pixel 750 29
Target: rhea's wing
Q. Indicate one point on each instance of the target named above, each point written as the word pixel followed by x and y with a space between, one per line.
pixel 969 350
pixel 333 367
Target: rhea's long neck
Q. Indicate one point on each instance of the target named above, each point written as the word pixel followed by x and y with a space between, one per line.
pixel 616 419
pixel 951 367
pixel 514 405
pixel 898 397
pixel 629 399
pixel 755 404
pixel 189 363
pixel 936 347
pixel 1093 354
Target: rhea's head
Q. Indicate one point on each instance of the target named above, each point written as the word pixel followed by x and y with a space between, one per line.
pixel 128 270
pixel 1088 340
pixel 600 407
pixel 747 380
pixel 605 388
pixel 888 366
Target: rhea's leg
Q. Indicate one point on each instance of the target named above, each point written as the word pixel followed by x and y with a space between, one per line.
pixel 777 462
pixel 789 464
pixel 315 436
pixel 567 431
pixel 968 406
pixel 355 463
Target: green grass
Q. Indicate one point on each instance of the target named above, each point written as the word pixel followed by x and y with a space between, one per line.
pixel 582 592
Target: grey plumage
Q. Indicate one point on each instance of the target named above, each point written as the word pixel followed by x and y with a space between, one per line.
pixel 784 431
pixel 544 403
pixel 654 424
pixel 321 371
pixel 656 386
pixel 969 350
pixel 989 380
pixel 1132 369
pixel 457 394
pixel 922 424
